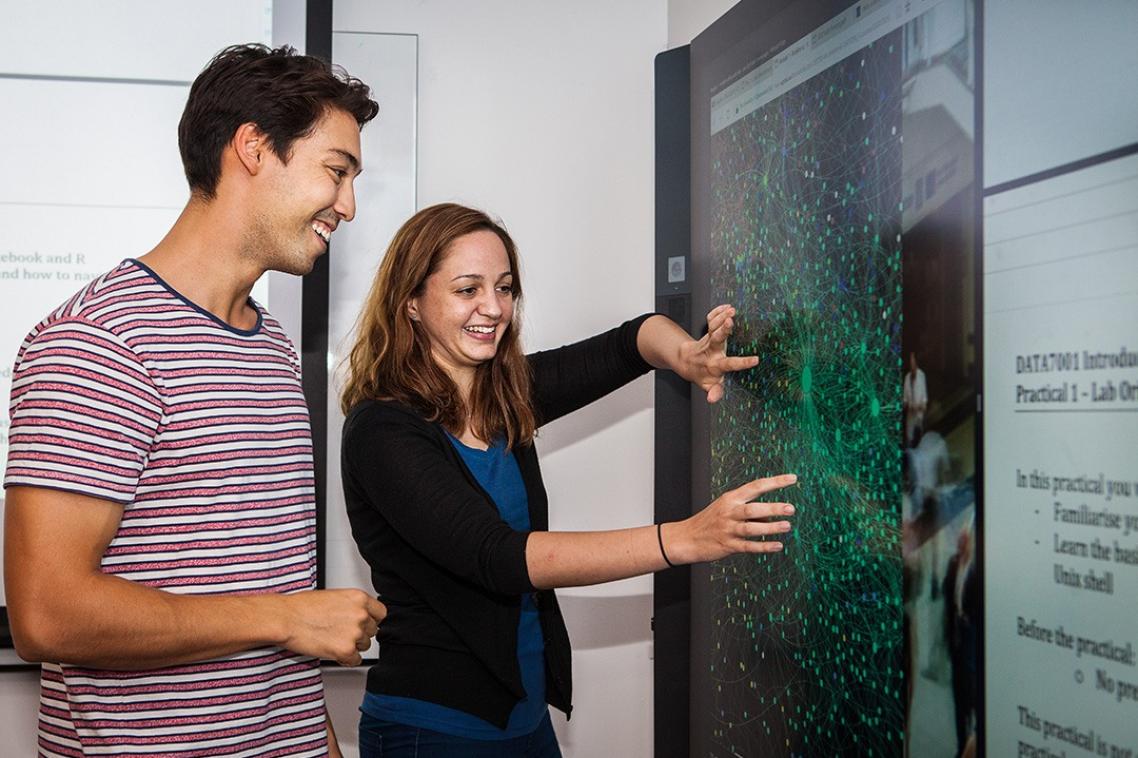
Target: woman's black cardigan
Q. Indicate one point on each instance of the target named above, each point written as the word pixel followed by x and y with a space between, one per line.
pixel 449 569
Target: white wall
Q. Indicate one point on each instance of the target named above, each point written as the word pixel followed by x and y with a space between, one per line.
pixel 541 114
pixel 19 706
pixel 687 18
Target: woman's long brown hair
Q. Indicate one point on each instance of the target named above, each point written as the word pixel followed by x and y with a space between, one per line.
pixel 391 356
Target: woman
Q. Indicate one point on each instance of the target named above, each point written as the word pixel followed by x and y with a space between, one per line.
pixel 446 500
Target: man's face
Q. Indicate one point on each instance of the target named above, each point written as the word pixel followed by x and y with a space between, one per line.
pixel 304 200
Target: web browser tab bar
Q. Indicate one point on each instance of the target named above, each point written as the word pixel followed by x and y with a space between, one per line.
pixel 843 35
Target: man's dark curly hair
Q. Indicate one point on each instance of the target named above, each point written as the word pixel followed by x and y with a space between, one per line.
pixel 283 93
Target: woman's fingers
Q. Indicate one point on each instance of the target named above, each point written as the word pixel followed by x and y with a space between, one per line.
pixel 748 526
pixel 715 393
pixel 763 528
pixel 750 529
pixel 766 510
pixel 720 323
pixel 722 366
pixel 719 310
pixel 754 546
pixel 739 362
pixel 717 370
pixel 735 524
pixel 719 329
pixel 754 489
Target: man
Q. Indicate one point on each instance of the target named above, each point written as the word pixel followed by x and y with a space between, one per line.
pixel 159 533
pixel 915 398
pixel 962 632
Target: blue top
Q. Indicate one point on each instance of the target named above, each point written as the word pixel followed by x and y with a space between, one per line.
pixel 497 472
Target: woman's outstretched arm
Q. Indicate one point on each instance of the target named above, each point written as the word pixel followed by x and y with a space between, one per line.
pixel 728 526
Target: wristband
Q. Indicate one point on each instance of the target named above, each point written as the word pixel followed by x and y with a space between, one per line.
pixel 660 539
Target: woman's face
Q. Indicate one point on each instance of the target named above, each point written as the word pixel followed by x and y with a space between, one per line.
pixel 467 303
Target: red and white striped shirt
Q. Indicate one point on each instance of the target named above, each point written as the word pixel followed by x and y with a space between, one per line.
pixel 130 393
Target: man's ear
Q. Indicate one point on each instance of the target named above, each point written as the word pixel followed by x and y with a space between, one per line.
pixel 250 147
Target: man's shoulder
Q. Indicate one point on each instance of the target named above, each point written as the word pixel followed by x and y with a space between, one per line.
pixel 271 328
pixel 102 302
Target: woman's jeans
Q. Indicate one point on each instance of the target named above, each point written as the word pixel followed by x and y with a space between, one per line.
pixel 386 739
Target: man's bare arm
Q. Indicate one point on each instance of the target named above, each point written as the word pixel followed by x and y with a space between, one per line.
pixel 64 609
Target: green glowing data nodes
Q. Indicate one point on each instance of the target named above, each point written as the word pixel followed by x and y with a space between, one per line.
pixel 809 253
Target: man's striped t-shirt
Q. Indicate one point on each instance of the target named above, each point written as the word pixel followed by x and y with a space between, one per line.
pixel 130 393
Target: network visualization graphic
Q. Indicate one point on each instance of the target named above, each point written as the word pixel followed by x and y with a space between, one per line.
pixel 806 192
